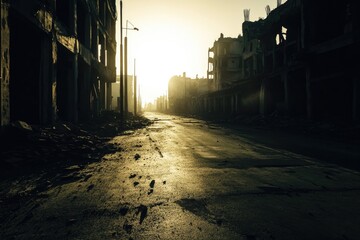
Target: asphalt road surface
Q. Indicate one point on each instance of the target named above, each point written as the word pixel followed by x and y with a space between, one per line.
pixel 182 178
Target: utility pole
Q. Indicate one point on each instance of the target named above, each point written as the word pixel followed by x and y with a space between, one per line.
pixel 126 110
pixel 126 65
pixel 121 95
pixel 135 89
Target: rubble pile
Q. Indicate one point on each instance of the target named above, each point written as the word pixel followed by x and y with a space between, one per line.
pixel 28 147
pixel 111 124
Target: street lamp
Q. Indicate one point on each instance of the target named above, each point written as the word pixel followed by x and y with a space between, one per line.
pixel 126 63
pixel 127 27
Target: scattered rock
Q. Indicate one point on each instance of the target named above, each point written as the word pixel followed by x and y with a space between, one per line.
pixel 71 221
pixel 152 183
pixel 136 183
pixel 132 175
pixel 22 126
pixel 25 147
pixel 87 177
pixel 62 128
pixel 73 168
pixel 143 210
pixel 128 132
pixel 128 228
pixel 90 187
pixel 123 211
pixel 137 156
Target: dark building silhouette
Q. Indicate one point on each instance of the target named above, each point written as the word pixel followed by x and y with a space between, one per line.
pixel 183 90
pixel 57 59
pixel 178 93
pixel 301 61
pixel 225 62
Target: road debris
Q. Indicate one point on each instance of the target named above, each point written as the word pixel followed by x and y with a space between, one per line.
pixel 26 147
pixel 137 156
pixel 152 184
pixel 143 210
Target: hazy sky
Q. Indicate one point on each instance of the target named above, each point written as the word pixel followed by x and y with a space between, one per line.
pixel 175 36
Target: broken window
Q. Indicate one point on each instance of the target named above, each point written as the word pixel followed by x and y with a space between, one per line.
pixel 106 58
pixel 281 37
pixel 278 39
pixel 284 32
pixel 99 52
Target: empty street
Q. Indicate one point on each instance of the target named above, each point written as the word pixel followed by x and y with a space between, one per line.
pixel 183 178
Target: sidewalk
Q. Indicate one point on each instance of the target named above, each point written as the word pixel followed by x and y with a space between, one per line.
pixel 324 141
pixel 27 149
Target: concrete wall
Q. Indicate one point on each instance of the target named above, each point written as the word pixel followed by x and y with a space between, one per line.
pixel 4 65
pixel 51 66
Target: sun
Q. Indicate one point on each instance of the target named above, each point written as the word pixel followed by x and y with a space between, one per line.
pixel 163 50
pixel 158 60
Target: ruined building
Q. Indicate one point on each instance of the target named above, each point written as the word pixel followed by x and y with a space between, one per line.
pixel 301 60
pixel 182 90
pixel 57 59
pixel 233 64
pixel 309 51
pixel 178 93
pixel 225 62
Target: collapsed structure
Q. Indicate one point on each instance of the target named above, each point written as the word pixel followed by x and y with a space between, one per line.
pixel 299 61
pixel 57 59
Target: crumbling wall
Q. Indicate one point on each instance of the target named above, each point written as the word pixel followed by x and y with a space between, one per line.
pixel 26 69
pixel 44 45
pixel 4 65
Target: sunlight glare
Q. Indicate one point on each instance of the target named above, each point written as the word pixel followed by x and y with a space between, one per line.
pixel 174 37
pixel 164 55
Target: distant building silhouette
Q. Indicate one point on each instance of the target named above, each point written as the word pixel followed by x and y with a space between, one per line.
pixel 182 90
pixel 116 92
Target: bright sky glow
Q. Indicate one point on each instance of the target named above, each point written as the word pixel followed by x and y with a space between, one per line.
pixel 175 35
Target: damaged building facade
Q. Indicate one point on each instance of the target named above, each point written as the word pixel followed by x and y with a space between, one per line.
pixel 301 60
pixel 182 91
pixel 57 59
pixel 225 62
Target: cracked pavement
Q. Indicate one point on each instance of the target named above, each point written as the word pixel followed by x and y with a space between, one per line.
pixel 183 178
